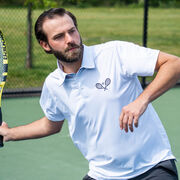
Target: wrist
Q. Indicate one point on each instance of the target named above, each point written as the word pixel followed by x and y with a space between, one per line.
pixel 8 136
pixel 144 99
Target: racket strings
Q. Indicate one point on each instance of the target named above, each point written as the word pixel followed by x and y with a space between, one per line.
pixel 3 60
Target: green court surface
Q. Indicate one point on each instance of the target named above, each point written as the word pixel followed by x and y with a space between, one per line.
pixel 55 157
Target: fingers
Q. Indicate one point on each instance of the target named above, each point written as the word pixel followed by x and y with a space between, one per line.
pixel 130 114
pixel 4 124
pixel 128 121
pixel 121 121
pixel 125 123
pixel 3 131
pixel 136 121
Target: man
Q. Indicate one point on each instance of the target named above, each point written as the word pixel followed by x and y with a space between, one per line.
pixel 96 90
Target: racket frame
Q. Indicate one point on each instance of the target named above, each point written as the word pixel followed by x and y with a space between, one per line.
pixel 3 75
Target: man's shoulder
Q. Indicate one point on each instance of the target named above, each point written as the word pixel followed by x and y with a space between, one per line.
pixel 52 77
pixel 105 45
pixel 53 74
pixel 111 45
pixel 51 82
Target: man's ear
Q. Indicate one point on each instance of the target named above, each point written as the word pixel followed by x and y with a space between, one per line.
pixel 45 46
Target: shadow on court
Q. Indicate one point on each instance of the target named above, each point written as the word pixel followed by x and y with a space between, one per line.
pixel 55 157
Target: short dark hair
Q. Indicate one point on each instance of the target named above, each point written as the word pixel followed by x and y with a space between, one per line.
pixel 49 14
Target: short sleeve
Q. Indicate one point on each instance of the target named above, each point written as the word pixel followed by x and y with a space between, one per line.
pixel 137 60
pixel 48 103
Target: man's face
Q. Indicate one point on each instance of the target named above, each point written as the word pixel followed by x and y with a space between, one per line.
pixel 64 40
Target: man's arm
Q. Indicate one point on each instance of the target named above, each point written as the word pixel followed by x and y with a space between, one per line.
pixel 37 129
pixel 168 72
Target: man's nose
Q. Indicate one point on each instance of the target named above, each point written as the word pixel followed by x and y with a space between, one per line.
pixel 69 38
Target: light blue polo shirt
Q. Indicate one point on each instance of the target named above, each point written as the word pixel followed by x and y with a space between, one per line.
pixel 91 101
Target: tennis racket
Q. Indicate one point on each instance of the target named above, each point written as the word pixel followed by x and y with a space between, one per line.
pixel 3 73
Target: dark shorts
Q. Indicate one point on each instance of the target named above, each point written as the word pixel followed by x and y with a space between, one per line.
pixel 165 170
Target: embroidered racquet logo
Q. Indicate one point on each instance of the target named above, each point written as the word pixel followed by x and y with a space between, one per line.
pixel 104 84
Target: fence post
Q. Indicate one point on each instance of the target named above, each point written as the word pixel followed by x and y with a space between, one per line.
pixel 145 29
pixel 29 37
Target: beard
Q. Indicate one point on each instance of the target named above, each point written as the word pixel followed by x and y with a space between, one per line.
pixel 69 55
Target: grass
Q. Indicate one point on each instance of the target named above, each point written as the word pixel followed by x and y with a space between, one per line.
pixel 96 25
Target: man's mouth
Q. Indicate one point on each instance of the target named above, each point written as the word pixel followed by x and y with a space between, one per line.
pixel 72 48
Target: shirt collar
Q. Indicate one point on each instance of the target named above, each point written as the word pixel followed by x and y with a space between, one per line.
pixel 88 58
pixel 87 63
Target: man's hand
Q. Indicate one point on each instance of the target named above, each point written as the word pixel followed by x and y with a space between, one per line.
pixel 130 114
pixel 4 129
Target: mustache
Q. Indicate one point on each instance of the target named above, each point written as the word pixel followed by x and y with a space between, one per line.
pixel 72 45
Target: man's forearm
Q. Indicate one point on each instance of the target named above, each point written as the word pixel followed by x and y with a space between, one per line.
pixel 29 131
pixel 36 129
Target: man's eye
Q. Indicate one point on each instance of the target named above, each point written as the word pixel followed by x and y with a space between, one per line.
pixel 58 37
pixel 72 31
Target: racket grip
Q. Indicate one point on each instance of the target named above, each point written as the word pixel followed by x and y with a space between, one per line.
pixel 1 137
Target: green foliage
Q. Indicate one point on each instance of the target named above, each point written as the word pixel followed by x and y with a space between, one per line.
pixel 88 3
pixel 42 3
pixel 158 3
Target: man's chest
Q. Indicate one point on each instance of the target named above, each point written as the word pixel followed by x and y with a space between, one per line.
pixel 91 90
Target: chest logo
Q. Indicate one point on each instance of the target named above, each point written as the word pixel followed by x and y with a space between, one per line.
pixel 104 85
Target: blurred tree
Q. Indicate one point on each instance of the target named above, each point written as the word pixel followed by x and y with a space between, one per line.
pixel 84 3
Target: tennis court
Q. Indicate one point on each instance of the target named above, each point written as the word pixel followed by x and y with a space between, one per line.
pixel 55 157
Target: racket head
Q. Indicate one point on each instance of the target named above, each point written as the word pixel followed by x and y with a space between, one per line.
pixel 107 82
pixel 3 73
pixel 3 61
pixel 99 86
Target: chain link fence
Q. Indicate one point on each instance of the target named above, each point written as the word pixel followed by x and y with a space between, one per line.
pixel 26 72
pixel 26 77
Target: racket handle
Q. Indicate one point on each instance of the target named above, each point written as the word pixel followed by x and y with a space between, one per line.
pixel 1 137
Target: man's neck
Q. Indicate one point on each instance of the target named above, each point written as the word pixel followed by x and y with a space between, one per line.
pixel 70 68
